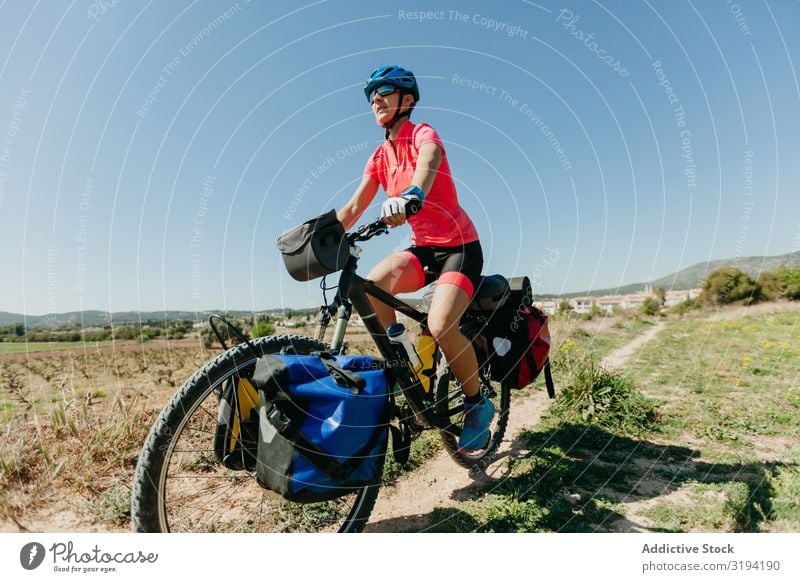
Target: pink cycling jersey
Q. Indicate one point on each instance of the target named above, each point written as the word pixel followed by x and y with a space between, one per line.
pixel 441 222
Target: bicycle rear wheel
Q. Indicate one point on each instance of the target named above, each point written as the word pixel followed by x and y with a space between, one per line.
pixel 180 486
pixel 450 404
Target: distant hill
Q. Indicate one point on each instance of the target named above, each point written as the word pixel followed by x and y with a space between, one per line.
pixel 95 318
pixel 100 318
pixel 693 277
pixel 689 278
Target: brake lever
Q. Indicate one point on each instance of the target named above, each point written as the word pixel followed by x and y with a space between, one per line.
pixel 367 231
pixel 358 235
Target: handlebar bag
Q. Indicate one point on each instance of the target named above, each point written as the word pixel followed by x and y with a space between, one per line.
pixel 315 248
pixel 323 424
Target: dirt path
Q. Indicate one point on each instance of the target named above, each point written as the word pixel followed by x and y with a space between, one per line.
pixel 620 357
pixel 441 483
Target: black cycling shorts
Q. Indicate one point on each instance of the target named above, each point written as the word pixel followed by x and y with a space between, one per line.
pixel 459 265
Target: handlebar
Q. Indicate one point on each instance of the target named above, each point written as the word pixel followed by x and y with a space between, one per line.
pixel 367 231
pixel 378 227
pixel 413 206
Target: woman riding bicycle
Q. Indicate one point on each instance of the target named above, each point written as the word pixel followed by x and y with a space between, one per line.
pixel 412 164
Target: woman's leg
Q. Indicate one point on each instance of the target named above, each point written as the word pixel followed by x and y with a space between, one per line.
pixel 397 273
pixel 449 303
pixel 447 307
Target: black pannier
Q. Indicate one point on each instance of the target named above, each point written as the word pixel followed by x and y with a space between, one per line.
pixel 521 294
pixel 315 248
pixel 491 294
pixel 236 436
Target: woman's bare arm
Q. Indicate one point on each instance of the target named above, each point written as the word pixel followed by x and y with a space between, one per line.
pixel 349 214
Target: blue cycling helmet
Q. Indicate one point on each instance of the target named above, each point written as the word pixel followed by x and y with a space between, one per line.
pixel 394 76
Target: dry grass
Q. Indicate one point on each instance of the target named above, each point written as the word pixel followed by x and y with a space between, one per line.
pixel 72 428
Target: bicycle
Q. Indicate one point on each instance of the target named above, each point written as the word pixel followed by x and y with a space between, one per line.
pixel 180 486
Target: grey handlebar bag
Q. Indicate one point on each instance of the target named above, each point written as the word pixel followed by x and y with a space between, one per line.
pixel 315 248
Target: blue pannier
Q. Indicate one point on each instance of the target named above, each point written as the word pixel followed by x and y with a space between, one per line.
pixel 323 424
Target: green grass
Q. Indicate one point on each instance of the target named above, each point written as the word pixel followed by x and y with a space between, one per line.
pixel 570 334
pixel 595 395
pixel 114 505
pixel 579 478
pixel 733 506
pixel 716 451
pixel 731 384
pixel 786 502
pixel 23 347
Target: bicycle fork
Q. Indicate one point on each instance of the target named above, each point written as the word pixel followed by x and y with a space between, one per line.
pixel 343 311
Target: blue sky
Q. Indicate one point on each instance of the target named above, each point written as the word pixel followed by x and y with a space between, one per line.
pixel 151 153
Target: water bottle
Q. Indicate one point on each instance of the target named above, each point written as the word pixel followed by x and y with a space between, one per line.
pixel 399 336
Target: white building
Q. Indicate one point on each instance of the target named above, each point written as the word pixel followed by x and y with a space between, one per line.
pixel 608 303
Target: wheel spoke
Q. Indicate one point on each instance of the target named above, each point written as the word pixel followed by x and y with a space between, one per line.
pixel 180 475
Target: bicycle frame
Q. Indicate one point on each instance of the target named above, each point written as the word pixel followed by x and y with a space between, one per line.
pixel 353 291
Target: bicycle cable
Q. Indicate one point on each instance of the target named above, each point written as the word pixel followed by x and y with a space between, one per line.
pixel 325 289
pixel 239 335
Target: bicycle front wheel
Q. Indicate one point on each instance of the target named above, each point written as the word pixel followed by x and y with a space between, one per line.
pixel 180 486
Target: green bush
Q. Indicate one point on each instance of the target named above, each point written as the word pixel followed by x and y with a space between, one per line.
pixel 210 339
pixel 175 332
pixel 126 332
pixel 564 306
pixel 685 306
pixel 606 398
pixel 651 306
pixel 782 283
pixel 594 311
pixel 261 329
pixel 97 336
pixel 729 285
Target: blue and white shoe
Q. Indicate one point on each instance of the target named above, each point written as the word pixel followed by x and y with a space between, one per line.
pixel 475 434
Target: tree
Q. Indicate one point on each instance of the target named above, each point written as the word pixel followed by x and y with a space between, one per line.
pixel 564 306
pixel 174 333
pixel 210 339
pixel 207 336
pixel 228 334
pixel 728 285
pixel 651 306
pixel 782 283
pixel 594 311
pixel 261 329
pixel 661 295
pixel 791 278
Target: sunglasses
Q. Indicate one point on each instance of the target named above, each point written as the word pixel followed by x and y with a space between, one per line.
pixel 383 91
